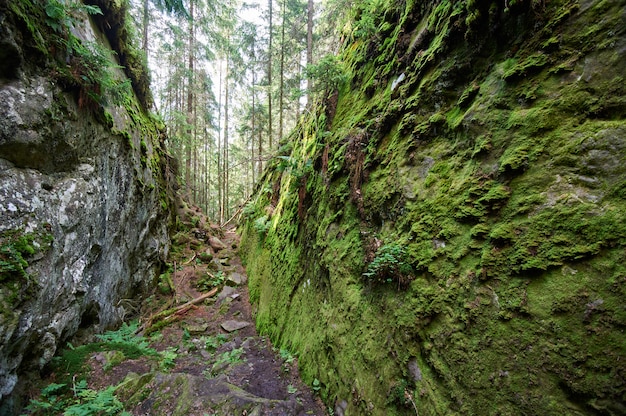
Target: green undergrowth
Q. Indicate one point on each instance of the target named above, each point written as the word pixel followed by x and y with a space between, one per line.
pixel 16 248
pixel 78 64
pixel 70 395
pixel 52 26
pixel 480 163
pixel 72 360
pixel 116 23
pixel 82 401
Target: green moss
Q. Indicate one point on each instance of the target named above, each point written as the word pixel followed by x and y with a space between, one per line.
pixel 501 175
pixel 33 16
pixel 165 284
pixel 518 70
pixel 17 248
pixel 116 24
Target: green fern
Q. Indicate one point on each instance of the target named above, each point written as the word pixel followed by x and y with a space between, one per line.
pixel 390 264
pixel 126 340
pixel 213 343
pixel 168 358
pixel 231 357
pixel 262 225
pixel 78 401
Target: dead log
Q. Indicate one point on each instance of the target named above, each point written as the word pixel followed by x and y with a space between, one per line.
pixel 160 319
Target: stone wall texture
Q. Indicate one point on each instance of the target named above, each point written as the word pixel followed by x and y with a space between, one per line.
pixel 88 189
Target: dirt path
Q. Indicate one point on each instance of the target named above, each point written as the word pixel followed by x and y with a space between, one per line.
pixel 212 368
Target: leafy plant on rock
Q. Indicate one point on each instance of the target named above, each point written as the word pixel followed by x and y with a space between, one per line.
pixel 262 225
pixel 84 65
pixel 328 74
pixel 210 281
pixel 168 358
pixel 212 343
pixel 16 247
pixel 13 251
pixel 230 357
pixel 390 265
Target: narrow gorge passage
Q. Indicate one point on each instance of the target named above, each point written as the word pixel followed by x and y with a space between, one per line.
pixel 211 359
pixel 431 199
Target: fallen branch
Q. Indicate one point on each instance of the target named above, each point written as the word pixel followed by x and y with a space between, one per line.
pixel 163 318
pixel 241 207
pixel 191 259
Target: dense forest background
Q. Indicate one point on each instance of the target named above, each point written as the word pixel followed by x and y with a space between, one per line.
pixel 230 80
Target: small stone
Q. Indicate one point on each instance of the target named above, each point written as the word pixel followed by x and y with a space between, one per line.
pixel 219 367
pixel 218 264
pixel 236 279
pixel 216 244
pixel 340 407
pixel 227 291
pixel 225 305
pixel 414 370
pixel 195 329
pixel 230 326
pixel 206 256
pixel 229 346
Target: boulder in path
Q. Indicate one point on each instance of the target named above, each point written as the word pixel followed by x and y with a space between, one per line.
pixel 216 244
pixel 181 394
pixel 227 291
pixel 232 325
pixel 236 279
pixel 198 328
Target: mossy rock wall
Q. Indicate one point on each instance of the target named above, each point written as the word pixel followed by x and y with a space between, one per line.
pixel 489 142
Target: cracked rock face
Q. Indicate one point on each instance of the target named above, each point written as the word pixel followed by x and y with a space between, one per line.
pixel 94 214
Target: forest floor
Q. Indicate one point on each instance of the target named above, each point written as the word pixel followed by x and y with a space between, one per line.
pixel 209 358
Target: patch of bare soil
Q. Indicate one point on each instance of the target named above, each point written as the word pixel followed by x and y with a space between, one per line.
pixel 212 370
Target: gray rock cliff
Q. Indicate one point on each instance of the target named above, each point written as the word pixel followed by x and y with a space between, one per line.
pixel 84 207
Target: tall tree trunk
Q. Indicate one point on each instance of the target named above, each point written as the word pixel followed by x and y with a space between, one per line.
pixel 249 166
pixel 207 171
pixel 195 155
pixel 219 150
pixel 260 165
pixel 254 123
pixel 254 110
pixel 189 100
pixel 224 212
pixel 269 76
pixel 309 49
pixel 299 66
pixel 146 24
pixel 281 85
